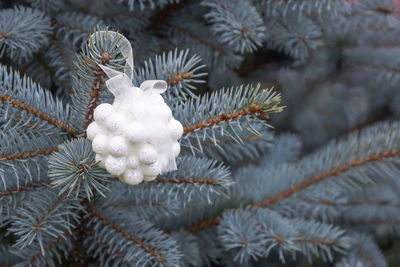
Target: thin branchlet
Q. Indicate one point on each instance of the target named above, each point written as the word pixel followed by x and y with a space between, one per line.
pixel 303 185
pixel 125 234
pixel 42 115
pixel 29 154
pixel 223 117
pixel 23 188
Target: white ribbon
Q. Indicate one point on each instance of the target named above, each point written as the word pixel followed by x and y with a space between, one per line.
pixel 131 98
pixel 118 78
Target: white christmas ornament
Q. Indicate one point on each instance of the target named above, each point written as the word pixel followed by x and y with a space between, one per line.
pixel 135 138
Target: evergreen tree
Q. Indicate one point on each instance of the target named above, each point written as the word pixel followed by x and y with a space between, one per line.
pixel 323 186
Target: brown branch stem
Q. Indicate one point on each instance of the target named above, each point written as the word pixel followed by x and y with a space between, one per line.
pixel 125 234
pixel 23 188
pixel 223 117
pixel 44 116
pixel 30 154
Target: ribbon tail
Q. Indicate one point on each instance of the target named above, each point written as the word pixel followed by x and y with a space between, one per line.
pixel 119 84
pixel 126 50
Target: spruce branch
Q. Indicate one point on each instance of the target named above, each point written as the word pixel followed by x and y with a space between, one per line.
pixel 23 31
pixel 364 252
pixel 73 28
pixel 142 4
pixel 22 161
pixel 147 249
pixel 44 116
pixel 100 49
pixel 73 169
pixel 196 36
pixel 353 161
pixel 23 98
pixel 328 174
pixel 236 23
pixel 226 112
pixel 294 35
pixel 145 200
pixel 26 187
pixel 332 8
pixel 105 252
pixel 48 216
pixel 28 154
pixel 54 250
pixel 194 178
pixel 142 242
pixel 59 48
pixel 177 68
pixel 253 233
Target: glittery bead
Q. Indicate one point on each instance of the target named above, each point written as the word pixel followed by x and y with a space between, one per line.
pixel 148 154
pixel 151 171
pixel 132 162
pixel 132 177
pixel 93 130
pixel 102 112
pixel 100 144
pixel 101 159
pixel 135 132
pixel 115 166
pixel 116 123
pixel 175 128
pixel 118 146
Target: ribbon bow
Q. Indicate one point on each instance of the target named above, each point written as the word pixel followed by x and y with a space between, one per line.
pixel 120 81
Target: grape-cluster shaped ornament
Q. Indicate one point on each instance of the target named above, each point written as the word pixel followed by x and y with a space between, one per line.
pixel 135 137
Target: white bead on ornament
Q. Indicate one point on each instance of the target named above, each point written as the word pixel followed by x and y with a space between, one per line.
pixel 135 138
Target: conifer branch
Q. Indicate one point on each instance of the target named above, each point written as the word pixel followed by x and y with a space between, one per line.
pixel 125 234
pixel 321 241
pixel 328 202
pixel 96 88
pixel 204 224
pixel 176 180
pixel 31 124
pixel 325 175
pixel 302 185
pixel 30 154
pixel 115 251
pixel 198 39
pixel 62 53
pixel 23 188
pixel 49 246
pixel 74 28
pixel 42 115
pixel 180 77
pixel 223 117
pixel 52 209
pixel 366 255
pixel 133 204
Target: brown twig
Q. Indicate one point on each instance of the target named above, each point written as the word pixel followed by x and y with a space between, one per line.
pixel 179 78
pixel 125 234
pixel 52 209
pixel 223 117
pixel 303 185
pixel 211 181
pixel 321 177
pixel 50 246
pixel 97 86
pixel 30 154
pixel 44 116
pixel 131 203
pixel 23 188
